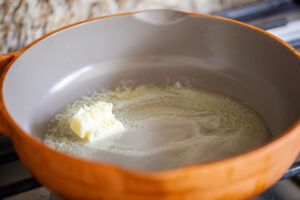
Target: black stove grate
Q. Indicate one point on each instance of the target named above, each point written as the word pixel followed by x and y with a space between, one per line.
pixel 260 10
pixel 18 187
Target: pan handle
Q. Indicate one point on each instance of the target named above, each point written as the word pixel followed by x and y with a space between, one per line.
pixel 5 60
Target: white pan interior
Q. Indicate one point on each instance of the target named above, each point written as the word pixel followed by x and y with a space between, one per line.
pixel 153 47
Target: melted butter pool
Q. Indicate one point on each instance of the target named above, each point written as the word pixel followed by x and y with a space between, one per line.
pixel 166 127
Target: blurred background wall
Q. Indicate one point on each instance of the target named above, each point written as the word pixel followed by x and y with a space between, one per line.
pixel 23 21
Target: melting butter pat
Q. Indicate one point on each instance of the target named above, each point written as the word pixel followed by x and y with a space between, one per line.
pixel 95 122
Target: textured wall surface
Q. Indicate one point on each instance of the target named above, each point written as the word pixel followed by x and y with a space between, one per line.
pixel 22 21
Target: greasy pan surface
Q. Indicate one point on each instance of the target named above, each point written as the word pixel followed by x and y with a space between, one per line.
pixel 215 53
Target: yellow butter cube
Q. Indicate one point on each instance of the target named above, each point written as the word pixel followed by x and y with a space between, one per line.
pixel 95 122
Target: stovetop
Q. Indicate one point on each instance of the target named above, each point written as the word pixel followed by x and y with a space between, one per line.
pixel 279 17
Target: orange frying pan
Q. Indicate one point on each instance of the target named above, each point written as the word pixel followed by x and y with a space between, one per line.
pixel 250 64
